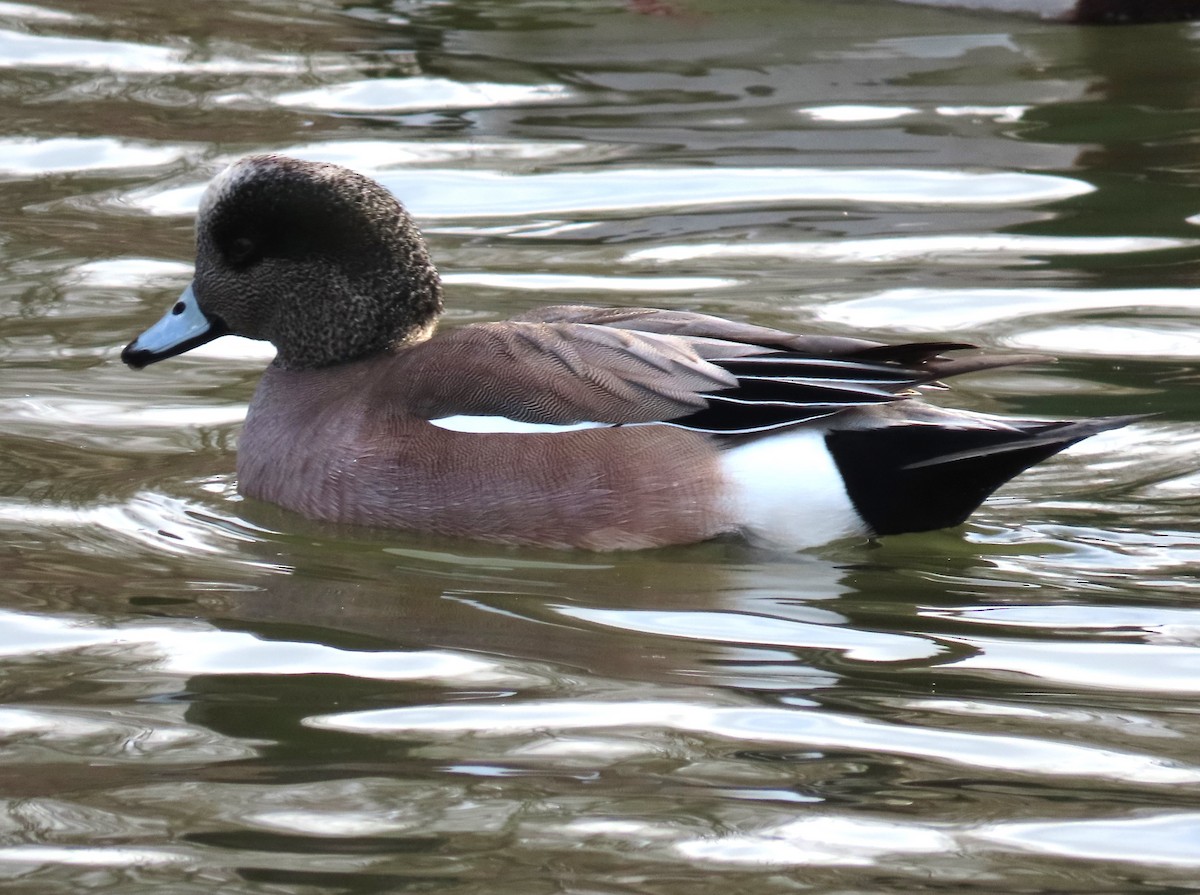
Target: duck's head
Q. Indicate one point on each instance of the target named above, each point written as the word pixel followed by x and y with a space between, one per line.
pixel 318 260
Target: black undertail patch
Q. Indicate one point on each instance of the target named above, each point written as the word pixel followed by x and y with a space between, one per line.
pixel 907 478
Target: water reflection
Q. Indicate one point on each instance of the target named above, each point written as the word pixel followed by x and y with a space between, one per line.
pixel 455 194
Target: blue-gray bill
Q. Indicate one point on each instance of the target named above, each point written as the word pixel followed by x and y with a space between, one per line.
pixel 184 327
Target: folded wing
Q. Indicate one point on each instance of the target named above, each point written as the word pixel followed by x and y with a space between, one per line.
pixel 566 365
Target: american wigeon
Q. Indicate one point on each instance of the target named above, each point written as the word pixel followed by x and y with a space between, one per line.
pixel 569 426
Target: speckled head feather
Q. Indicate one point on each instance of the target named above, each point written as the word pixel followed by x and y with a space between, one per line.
pixel 324 263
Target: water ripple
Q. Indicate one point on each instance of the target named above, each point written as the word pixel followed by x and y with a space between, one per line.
pixel 437 193
pixel 823 840
pixel 808 729
pixel 32 157
pixel 415 93
pixel 196 648
pixel 548 283
pixel 747 628
pixel 943 249
pixel 1166 839
pixel 946 310
pixel 19 50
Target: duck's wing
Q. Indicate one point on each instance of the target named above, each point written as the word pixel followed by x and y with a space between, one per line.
pixel 927 357
pixel 692 325
pixel 557 373
pixel 565 373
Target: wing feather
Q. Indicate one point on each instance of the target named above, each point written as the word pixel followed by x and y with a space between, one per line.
pixel 558 373
pixel 568 364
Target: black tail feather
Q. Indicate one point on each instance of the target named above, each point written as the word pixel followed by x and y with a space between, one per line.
pixel 905 478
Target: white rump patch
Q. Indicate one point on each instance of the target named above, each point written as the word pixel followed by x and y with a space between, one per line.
pixel 484 424
pixel 786 491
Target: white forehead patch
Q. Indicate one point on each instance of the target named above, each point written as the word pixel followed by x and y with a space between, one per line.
pixel 224 183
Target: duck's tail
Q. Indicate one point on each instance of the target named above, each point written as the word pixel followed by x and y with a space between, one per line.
pixel 920 475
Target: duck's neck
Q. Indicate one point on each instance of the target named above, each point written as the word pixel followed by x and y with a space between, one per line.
pixel 331 334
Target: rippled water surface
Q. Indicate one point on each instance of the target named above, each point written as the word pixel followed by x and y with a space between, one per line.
pixel 205 694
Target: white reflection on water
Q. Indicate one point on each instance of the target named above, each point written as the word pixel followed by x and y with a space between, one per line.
pixel 194 648
pixel 438 193
pixel 27 155
pixel 106 414
pixel 1107 665
pixel 940 310
pixel 1129 338
pixel 418 92
pixel 316 822
pixel 1000 114
pixel 375 155
pixel 1168 839
pixel 1127 723
pixel 147 521
pixel 132 859
pixel 1115 619
pixel 94 856
pixel 547 282
pixel 830 840
pixel 856 113
pixel 812 729
pixel 29 51
pixel 21 11
pixel 821 839
pixel 944 249
pixel 154 732
pixel 748 628
pixel 21 50
pixel 126 273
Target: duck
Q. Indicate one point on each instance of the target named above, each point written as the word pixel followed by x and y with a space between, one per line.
pixel 566 426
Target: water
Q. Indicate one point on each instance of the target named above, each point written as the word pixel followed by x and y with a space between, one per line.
pixel 205 694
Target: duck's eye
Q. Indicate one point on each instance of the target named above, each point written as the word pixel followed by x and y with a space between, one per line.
pixel 241 250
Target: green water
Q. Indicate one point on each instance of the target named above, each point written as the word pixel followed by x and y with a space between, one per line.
pixel 203 694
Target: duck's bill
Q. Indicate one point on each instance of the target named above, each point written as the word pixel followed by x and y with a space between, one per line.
pixel 181 329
